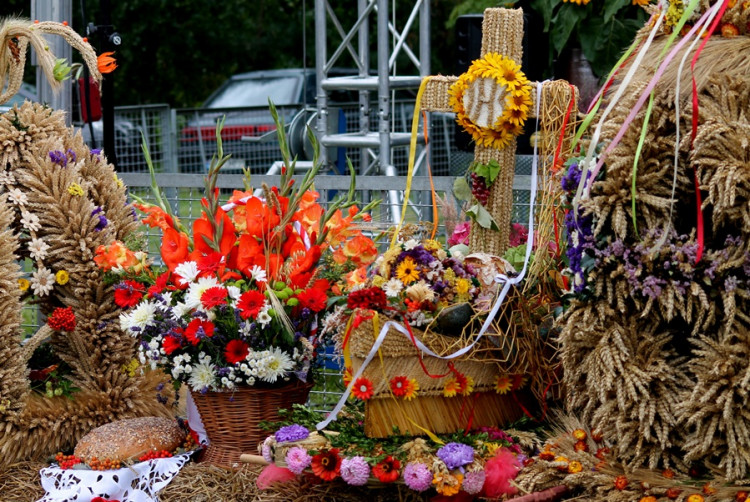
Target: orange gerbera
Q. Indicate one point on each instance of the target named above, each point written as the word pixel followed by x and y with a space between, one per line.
pixel 362 388
pixel 106 63
pixel 327 464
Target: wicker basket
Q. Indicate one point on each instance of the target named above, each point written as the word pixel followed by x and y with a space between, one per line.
pixel 231 418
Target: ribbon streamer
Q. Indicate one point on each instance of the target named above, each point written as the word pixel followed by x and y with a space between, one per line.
pixel 500 278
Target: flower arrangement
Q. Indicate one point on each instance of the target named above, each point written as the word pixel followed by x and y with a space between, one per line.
pixel 482 461
pixel 240 301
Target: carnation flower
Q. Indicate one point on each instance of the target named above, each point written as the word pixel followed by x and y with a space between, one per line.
pixel 297 459
pixel 417 476
pixel 473 482
pixel 202 377
pixel 294 432
pixel 387 470
pixel 355 471
pixel 455 455
pixel 369 298
pixel 460 234
pixel 42 281
pixel 327 464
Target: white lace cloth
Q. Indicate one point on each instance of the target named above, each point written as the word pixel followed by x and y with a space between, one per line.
pixel 137 483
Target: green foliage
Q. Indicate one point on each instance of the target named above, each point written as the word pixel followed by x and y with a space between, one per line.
pixel 488 172
pixel 484 219
pixel 474 7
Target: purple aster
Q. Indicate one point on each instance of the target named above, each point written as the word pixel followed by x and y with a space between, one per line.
pixel 297 459
pixel 294 432
pixel 417 476
pixel 473 482
pixel 456 455
pixel 355 471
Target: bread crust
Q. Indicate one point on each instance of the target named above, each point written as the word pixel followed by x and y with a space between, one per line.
pixel 129 439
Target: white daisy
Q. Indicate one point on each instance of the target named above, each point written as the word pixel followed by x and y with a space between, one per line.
pixel 142 316
pixel 258 274
pixel 202 377
pixel 263 317
pixel 38 249
pixel 17 197
pixel 393 287
pixel 187 270
pixel 30 221
pixel 196 290
pixel 278 364
pixel 42 281
pixel 7 178
pixel 410 244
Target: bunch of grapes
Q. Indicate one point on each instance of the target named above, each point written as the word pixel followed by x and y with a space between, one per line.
pixel 66 461
pixel 154 454
pixel 479 189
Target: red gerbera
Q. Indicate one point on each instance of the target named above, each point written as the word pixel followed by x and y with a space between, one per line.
pixel 362 388
pixel 236 351
pixel 313 298
pixel 170 344
pixel 369 298
pixel 250 303
pixel 197 329
pixel 387 469
pixel 209 264
pixel 213 297
pixel 327 464
pixel 62 319
pixel 128 293
pixel 399 386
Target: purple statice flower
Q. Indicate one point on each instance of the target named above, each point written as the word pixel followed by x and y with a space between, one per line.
pixel 102 224
pixel 58 157
pixel 730 284
pixel 297 459
pixel 355 471
pixel 456 455
pixel 72 155
pixel 294 432
pixel 417 476
pixel 96 151
pixel 572 178
pixel 473 482
pixel 580 237
pixel 419 254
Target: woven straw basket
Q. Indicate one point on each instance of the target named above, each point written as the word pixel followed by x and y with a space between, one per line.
pixel 231 418
pixel 430 409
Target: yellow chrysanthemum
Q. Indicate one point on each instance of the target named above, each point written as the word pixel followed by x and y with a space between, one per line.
pixel 23 284
pixel 578 2
pixel 462 286
pixel 378 281
pixel 449 276
pixel 407 271
pixel 75 189
pixel 411 389
pixel 503 384
pixel 62 277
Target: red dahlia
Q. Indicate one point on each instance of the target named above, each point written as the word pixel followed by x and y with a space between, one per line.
pixel 62 319
pixel 369 298
pixel 236 351
pixel 327 464
pixel 128 293
pixel 213 297
pixel 387 469
pixel 250 303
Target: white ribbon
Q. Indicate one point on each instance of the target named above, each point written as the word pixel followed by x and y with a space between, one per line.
pixel 500 278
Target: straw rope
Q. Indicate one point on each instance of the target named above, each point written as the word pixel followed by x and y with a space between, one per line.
pixel 502 32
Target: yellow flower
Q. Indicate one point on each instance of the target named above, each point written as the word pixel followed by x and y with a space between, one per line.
pixel 462 286
pixel 407 271
pixel 75 189
pixel 378 281
pixel 452 387
pixel 411 389
pixel 578 2
pixel 503 384
pixel 469 387
pixel 575 467
pixel 62 277
pixel 450 276
pixel 23 284
pixel 491 448
pixel 447 484
pixel 119 182
pixel 642 3
pixel 431 245
pixel 130 367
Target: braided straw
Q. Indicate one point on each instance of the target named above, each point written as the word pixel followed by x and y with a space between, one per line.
pixel 502 32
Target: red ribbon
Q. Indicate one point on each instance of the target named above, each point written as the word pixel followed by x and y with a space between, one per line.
pixel 694 131
pixel 556 159
pixel 451 369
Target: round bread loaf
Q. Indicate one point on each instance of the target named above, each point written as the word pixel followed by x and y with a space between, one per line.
pixel 129 439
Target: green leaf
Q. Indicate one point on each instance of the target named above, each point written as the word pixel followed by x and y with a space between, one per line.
pixel 611 7
pixel 564 23
pixel 484 219
pixel 545 8
pixel 603 43
pixel 461 189
pixel 487 171
pixel 61 71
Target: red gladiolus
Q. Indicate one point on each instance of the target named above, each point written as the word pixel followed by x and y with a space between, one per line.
pixel 259 219
pixel 170 344
pixel 156 217
pixel 161 284
pixel 387 469
pixel 174 248
pixel 203 230
pixel 327 464
pixel 213 297
pixel 209 264
pixel 128 293
pixel 236 351
pixel 62 319
pixel 193 330
pixel 250 304
pixel 313 299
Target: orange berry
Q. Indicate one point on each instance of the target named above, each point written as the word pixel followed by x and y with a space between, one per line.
pixel 648 498
pixel 708 489
pixel 601 453
pixel 597 436
pixel 668 473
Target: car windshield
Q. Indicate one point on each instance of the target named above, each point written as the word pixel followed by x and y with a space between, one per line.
pixel 255 92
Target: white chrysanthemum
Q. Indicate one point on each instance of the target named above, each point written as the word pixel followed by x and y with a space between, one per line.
pixel 234 293
pixel 202 377
pixel 17 197
pixel 166 297
pixel 187 270
pixel 196 290
pixel 30 221
pixel 258 274
pixel 277 365
pixel 179 311
pixel 142 316
pixel 263 317
pixel 393 287
pixel 7 178
pixel 38 249
pixel 410 244
pixel 42 281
